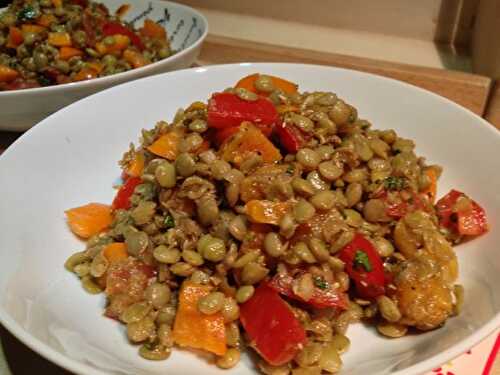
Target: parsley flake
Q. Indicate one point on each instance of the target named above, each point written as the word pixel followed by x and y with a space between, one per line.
pixel 395 183
pixel 320 282
pixel 27 13
pixel 361 260
pixel 169 221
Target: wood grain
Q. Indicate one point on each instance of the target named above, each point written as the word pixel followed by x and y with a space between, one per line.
pixel 492 113
pixel 468 90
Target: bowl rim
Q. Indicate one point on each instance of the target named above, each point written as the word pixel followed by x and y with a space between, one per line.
pixel 421 367
pixel 122 77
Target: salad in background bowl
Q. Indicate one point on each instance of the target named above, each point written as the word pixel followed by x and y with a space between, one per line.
pixel 53 53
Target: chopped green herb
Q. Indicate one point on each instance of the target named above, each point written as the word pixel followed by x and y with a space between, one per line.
pixel 44 81
pixel 351 118
pixel 361 260
pixel 320 282
pixel 27 13
pixel 291 169
pixel 395 183
pixel 169 221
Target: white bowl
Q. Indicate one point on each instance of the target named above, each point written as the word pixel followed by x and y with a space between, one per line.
pixel 70 159
pixel 186 28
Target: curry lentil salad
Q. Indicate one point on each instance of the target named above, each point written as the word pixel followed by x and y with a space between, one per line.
pixel 49 42
pixel 272 219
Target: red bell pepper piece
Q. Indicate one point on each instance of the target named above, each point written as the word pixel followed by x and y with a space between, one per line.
pixel 275 332
pixel 321 298
pixel 113 28
pixel 226 110
pixel 122 198
pixel 290 137
pixel 222 134
pixel 364 266
pixel 469 222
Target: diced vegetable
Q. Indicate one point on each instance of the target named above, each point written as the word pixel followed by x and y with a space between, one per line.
pixel 134 58
pixel 66 53
pixel 223 134
pixel 57 3
pixel 364 266
pixel 194 329
pixel 431 190
pixel 115 28
pixel 61 39
pixel 324 295
pixel 120 43
pixel 266 212
pixel 290 137
pixel 85 221
pixel 273 329
pixel 28 28
pixel 122 198
pixel 152 30
pixel 15 37
pixel 279 83
pixel 7 74
pixel 115 252
pixel 85 74
pixel 136 166
pixel 46 20
pixel 249 139
pixel 462 215
pixel 228 110
pixel 166 146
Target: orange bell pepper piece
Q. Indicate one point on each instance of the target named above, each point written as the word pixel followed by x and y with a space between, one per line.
pixel 93 218
pixel 248 83
pixel 266 212
pixel 194 329
pixel 134 58
pixel 15 37
pixel 28 28
pixel 46 20
pixel 136 166
pixel 249 139
pixel 122 10
pixel 116 251
pixel 95 65
pixel 61 39
pixel 85 74
pixel 7 74
pixel 66 53
pixel 121 42
pixel 152 30
pixel 166 146
pixel 431 190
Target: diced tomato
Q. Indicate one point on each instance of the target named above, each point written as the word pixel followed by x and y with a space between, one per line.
pixel 125 282
pixel 470 221
pixel 273 329
pixel 226 110
pixel 290 137
pixel 364 266
pixel 321 298
pixel 113 28
pixel 122 198
pixel 397 207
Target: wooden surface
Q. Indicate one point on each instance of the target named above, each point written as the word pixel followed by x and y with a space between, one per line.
pixel 492 113
pixel 468 90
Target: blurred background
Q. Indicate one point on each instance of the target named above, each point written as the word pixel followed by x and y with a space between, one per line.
pixel 452 34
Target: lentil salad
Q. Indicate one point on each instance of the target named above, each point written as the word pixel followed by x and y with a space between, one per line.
pixel 266 196
pixel 50 42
